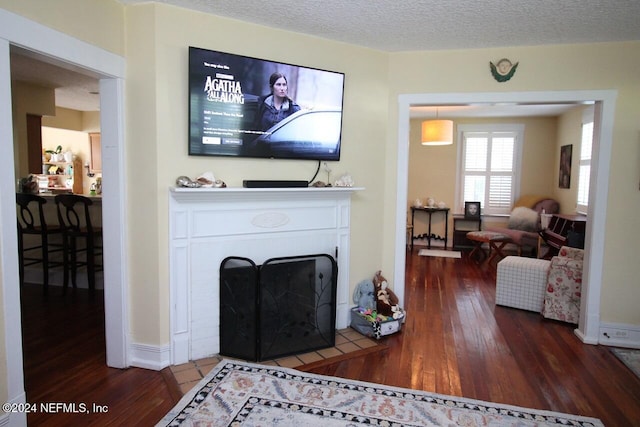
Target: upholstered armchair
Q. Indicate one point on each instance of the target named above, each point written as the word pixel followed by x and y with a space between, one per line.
pixel 524 222
pixel 564 286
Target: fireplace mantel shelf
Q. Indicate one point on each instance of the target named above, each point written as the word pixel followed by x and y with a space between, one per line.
pixel 191 193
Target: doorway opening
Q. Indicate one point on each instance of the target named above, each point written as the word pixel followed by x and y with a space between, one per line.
pixel 109 68
pixel 588 326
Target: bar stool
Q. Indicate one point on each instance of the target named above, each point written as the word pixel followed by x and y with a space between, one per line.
pixel 75 219
pixel 31 221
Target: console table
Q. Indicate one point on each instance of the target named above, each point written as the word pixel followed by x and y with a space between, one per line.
pixel 430 211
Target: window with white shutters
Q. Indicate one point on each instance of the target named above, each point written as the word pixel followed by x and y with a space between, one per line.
pixel 489 157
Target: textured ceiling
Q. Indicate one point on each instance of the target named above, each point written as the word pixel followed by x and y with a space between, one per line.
pixel 397 25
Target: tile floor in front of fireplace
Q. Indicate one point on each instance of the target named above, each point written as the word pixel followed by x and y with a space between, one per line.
pixel 348 340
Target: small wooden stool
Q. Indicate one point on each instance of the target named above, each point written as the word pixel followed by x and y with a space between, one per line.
pixel 496 242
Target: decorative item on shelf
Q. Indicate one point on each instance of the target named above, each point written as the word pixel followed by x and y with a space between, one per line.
pixel 503 70
pixel 437 132
pixel 441 205
pixel 417 203
pixel 344 181
pixel 55 155
pixel 28 184
pixel 430 202
pixel 89 173
pixel 320 184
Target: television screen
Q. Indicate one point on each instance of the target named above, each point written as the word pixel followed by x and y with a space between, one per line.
pixel 249 107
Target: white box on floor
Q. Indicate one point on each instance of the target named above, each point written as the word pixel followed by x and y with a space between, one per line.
pixel 521 282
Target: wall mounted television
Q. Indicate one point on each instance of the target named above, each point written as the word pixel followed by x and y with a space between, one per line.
pixel 232 114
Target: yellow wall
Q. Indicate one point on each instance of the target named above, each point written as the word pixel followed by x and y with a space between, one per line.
pixel 157 95
pixel 27 99
pixel 155 49
pixel 569 133
pixel 97 22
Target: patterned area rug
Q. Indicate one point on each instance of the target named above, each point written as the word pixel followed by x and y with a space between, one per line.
pixel 629 357
pixel 246 394
pixel 439 253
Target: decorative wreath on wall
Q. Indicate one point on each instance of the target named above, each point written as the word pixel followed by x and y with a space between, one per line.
pixel 503 70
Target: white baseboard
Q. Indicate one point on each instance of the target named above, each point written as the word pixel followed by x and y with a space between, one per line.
pixel 619 335
pixel 150 356
pixel 15 419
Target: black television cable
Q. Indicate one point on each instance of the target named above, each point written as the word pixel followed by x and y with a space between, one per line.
pixel 317 171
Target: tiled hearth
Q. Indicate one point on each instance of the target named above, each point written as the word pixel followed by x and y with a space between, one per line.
pixel 348 341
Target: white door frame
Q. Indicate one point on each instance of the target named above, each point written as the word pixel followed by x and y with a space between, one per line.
pixel 59 48
pixel 589 324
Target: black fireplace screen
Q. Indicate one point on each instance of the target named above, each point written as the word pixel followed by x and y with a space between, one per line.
pixel 285 306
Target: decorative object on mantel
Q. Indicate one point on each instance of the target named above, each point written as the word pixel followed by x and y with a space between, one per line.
pixel 205 180
pixel 503 70
pixel 185 181
pixel 344 181
pixel 441 205
pixel 320 184
pixel 327 169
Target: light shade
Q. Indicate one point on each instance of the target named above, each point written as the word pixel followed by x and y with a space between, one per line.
pixel 437 132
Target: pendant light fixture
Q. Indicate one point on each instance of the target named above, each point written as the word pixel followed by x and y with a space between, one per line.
pixel 437 132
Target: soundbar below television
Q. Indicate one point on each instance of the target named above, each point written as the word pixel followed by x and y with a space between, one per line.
pixel 247 107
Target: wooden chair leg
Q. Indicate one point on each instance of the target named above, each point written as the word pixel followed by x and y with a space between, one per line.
pixel 21 258
pixel 91 266
pixel 45 265
pixel 65 264
pixel 74 262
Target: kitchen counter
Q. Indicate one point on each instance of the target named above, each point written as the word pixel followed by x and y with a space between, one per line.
pixel 95 209
pixel 93 198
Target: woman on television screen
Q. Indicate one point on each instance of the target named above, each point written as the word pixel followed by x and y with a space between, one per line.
pixel 277 105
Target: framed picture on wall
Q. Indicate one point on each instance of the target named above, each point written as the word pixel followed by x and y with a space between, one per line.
pixel 564 180
pixel 472 210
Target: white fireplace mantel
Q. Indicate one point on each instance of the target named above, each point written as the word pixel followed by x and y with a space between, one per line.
pixel 209 224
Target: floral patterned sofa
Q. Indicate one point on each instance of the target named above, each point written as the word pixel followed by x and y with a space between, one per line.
pixel 564 286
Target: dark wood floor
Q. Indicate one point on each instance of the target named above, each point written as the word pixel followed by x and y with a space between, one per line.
pixel 455 341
